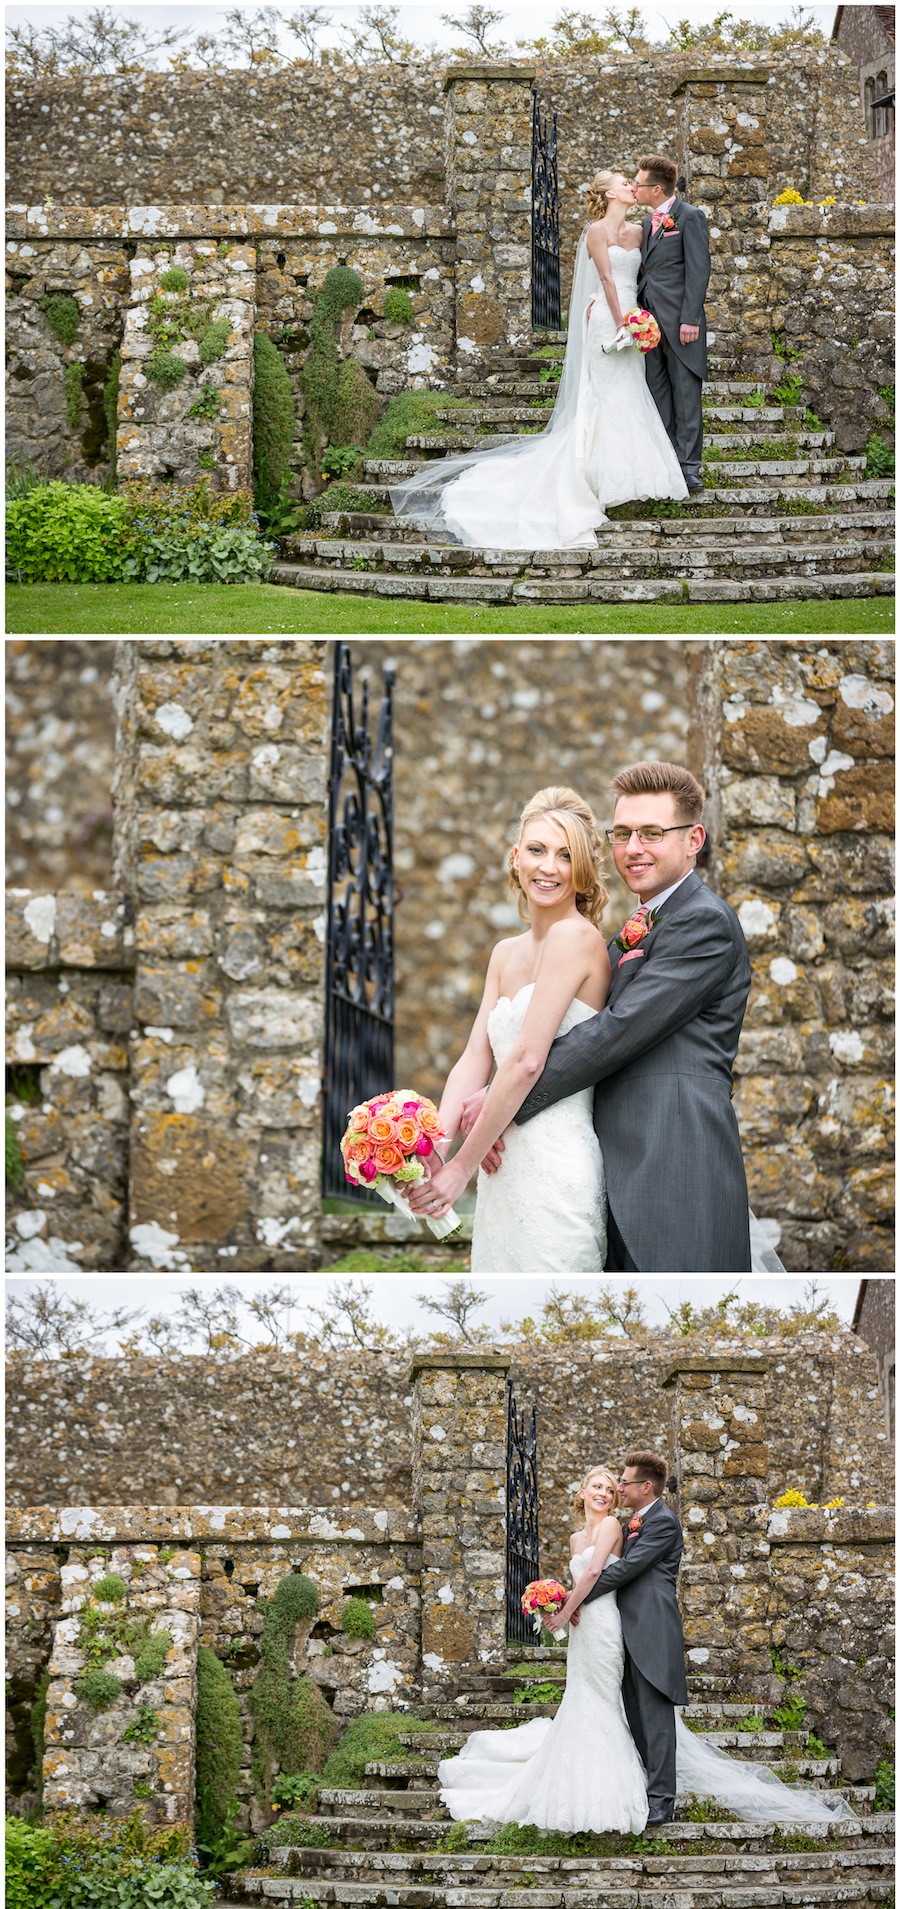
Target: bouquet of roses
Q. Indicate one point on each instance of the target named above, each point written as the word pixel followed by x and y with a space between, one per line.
pixel 639 328
pixel 545 1594
pixel 387 1141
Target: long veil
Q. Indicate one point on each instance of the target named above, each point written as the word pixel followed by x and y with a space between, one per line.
pixel 418 500
pixel 751 1790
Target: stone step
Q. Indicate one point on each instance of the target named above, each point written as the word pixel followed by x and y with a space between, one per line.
pixel 813 1772
pixel 616 556
pixel 811 497
pixel 371 1831
pixel 765 421
pixel 487 436
pixel 695 527
pixel 496 589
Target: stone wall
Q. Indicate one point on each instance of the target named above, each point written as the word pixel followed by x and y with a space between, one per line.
pixel 865 35
pixel 798 745
pixel 92 269
pixel 336 1428
pixel 459 1497
pixel 70 981
pixel 60 745
pixel 220 826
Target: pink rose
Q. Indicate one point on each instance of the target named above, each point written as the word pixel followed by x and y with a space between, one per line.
pixel 424 1145
pixel 368 1170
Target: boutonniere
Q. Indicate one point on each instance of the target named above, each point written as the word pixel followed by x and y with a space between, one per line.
pixel 668 223
pixel 635 1524
pixel 636 929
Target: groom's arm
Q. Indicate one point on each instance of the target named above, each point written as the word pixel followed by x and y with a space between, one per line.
pixel 649 1549
pixel 697 265
pixel 671 991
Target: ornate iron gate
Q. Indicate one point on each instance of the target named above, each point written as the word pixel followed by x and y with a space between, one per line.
pixel 522 1556
pixel 359 972
pixel 546 307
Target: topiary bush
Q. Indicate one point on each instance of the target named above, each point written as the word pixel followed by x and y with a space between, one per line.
pixel 356 1618
pixel 218 1745
pixel 294 1727
pixel 63 316
pixel 273 423
pixel 97 1688
pixel 397 306
pixel 341 405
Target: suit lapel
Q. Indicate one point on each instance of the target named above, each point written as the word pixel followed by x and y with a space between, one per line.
pixel 670 907
pixel 653 238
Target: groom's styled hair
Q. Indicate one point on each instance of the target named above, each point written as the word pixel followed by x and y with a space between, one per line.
pixel 649 1469
pixel 660 170
pixel 663 778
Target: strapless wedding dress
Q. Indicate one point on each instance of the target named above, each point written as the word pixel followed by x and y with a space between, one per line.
pixel 551 492
pixel 545 1211
pixel 580 1770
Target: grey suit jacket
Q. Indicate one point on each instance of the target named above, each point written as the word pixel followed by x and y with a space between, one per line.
pixel 673 277
pixel 660 1056
pixel 644 1578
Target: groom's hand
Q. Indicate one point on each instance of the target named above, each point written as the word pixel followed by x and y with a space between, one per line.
pixel 470 1112
pixel 689 334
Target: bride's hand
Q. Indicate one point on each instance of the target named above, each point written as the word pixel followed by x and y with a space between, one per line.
pixel 433 1197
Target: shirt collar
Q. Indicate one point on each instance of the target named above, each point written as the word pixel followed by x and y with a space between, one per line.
pixel 667 204
pixel 658 900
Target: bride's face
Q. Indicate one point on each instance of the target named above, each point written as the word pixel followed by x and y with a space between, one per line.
pixel 599 1494
pixel 621 191
pixel 543 861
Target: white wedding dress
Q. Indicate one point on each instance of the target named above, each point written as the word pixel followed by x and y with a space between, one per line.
pixel 605 444
pixel 545 1211
pixel 580 1770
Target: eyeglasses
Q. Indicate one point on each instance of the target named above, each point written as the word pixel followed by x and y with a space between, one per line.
pixel 649 834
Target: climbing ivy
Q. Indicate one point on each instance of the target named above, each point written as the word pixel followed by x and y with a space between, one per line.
pixel 273 422
pixel 218 1745
pixel 341 404
pixel 294 1727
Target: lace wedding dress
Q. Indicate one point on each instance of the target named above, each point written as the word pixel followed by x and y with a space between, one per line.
pixel 545 1211
pixel 605 444
pixel 580 1770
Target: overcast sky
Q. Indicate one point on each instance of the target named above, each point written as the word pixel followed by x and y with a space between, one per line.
pixel 394 1295
pixel 423 24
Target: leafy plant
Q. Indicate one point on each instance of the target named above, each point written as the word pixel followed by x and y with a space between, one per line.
pixel 151 1660
pixel 76 1862
pixel 63 316
pixel 811 421
pixel 787 1672
pixel 166 369
pixel 206 460
pixel 213 340
pixel 371 1738
pixel 288 1791
pixel 790 1714
pixel 110 1589
pixel 789 391
pixel 356 1618
pixel 879 457
pixel 341 460
pixel 218 1761
pixel 815 1747
pixel 783 351
pixel 207 404
pixel 38 1720
pixel 540 1693
pixel 144 1726
pixel 224 1849
pixel 15 1165
pixel 749 1726
pixel 176 279
pixel 884 1785
pixel 73 379
pixel 755 399
pixel 397 306
pixel 410 414
pixel 65 533
pixel 283 514
pixel 97 1688
pixel 142 1788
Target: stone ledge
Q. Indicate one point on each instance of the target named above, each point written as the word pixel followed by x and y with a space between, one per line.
pixel 486 71
pixel 843 221
pixel 390 1228
pixel 732 72
pixel 735 1362
pixel 170 222
pixel 239 1524
pixel 843 1525
pixel 460 1362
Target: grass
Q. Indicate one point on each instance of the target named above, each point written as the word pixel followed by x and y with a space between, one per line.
pixel 264 609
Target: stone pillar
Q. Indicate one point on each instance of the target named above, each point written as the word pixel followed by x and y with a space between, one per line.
pixel 721 1464
pixel 160 432
pixel 724 152
pixel 221 825
pixel 488 133
pixel 459 1495
pixel 795 744
pixel 89 1763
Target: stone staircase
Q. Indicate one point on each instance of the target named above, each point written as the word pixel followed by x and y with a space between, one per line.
pixel 785 515
pixel 391 1841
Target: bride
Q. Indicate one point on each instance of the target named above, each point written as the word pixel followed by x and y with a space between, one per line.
pixel 605 443
pixel 580 1770
pixel 539 985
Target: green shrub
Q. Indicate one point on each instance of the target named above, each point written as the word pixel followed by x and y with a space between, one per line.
pixel 214 339
pixel 790 1714
pixel 294 1727
pixel 371 1738
pixel 884 1786
pixel 341 461
pixel 879 457
pixel 356 1618
pixel 109 1589
pixel 176 279
pixel 341 404
pixel 65 533
pixel 73 379
pixel 38 1720
pixel 789 391
pixel 206 460
pixel 151 1659
pixel 357 406
pixel 97 1688
pixel 144 1726
pixel 62 315
pixel 29 1865
pixel 218 1745
pixel 113 1863
pixel 398 306
pixel 273 422
pixel 410 414
pixel 111 408
pixel 166 369
pixel 288 1791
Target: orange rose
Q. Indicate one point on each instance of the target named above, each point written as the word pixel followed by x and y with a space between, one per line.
pixel 388 1159
pixel 428 1119
pixel 407 1133
pixel 382 1128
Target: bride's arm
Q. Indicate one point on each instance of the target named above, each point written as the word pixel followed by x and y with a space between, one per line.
pixel 608 1545
pixel 598 247
pixel 473 1069
pixel 566 965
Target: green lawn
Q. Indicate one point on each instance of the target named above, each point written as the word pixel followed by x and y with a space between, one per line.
pixel 151 609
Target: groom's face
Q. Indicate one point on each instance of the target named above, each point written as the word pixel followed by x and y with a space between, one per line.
pixel 649 867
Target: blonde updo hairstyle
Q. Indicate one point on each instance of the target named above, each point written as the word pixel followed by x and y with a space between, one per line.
pixel 596 193
pixel 596 1471
pixel 582 832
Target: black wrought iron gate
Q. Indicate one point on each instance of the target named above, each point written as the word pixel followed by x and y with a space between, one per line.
pixel 546 305
pixel 522 1553
pixel 359 973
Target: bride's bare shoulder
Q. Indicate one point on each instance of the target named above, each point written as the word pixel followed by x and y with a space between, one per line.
pixel 577 1542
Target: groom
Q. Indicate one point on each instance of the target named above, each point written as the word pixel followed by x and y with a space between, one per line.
pixel 644 1577
pixel 672 282
pixel 660 1053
